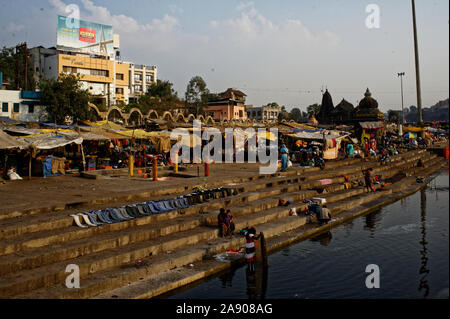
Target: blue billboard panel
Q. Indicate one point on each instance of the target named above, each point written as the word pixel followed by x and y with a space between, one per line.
pixel 85 37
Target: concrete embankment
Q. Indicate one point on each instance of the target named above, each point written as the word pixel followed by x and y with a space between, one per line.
pixel 34 253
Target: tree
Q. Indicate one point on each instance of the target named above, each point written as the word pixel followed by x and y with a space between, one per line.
pixel 315 108
pixel 160 96
pixel 296 115
pixel 64 97
pixel 393 116
pixel 196 95
pixel 17 67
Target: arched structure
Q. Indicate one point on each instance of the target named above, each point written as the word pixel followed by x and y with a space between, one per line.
pixel 180 118
pixel 152 115
pixel 135 116
pixel 190 118
pixel 201 118
pixel 210 120
pixel 115 115
pixel 167 116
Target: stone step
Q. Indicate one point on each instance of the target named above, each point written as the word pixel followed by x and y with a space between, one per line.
pixel 13 283
pixel 255 219
pixel 95 284
pixel 271 193
pixel 57 236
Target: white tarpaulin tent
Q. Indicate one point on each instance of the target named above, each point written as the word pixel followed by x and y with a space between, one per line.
pixel 49 140
pixel 9 142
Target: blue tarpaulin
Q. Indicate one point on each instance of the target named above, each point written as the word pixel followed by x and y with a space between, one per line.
pixel 47 167
pixel 57 126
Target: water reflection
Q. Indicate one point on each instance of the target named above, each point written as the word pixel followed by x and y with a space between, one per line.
pixel 323 238
pixel 256 282
pixel 423 283
pixel 227 278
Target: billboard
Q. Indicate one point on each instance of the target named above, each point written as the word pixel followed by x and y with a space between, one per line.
pixel 85 37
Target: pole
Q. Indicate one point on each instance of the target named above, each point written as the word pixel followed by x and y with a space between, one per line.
pixel 175 165
pixel 26 66
pixel 416 52
pixel 29 166
pixel 401 84
pixel 155 168
pixel 207 169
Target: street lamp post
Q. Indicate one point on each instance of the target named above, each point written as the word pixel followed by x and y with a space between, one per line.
pixel 401 74
pixel 416 51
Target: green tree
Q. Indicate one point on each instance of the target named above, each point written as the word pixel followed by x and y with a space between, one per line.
pixel 160 96
pixel 393 116
pixel 315 108
pixel 296 114
pixel 17 67
pixel 197 95
pixel 65 97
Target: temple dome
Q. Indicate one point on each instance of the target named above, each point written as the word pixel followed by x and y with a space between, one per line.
pixel 368 102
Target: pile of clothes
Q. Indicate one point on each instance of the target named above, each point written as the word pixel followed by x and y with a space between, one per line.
pixel 129 212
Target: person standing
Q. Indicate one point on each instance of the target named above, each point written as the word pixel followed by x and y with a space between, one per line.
pixel 250 237
pixel 349 149
pixel 284 158
pixel 368 179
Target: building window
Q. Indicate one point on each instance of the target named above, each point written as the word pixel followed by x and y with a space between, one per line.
pixel 138 77
pixel 241 114
pixel 138 88
pixel 30 108
pixel 119 90
pixel 5 107
pixel 119 76
pixel 148 78
pixel 16 107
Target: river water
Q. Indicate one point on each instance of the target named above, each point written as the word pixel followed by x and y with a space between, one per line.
pixel 408 241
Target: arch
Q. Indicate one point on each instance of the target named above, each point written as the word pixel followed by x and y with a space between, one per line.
pixel 95 108
pixel 180 118
pixel 115 115
pixel 135 115
pixel 152 114
pixel 292 121
pixel 190 118
pixel 223 121
pixel 283 121
pixel 166 116
pixel 210 120
pixel 201 118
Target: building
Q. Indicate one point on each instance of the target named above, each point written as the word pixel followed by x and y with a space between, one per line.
pixel 325 115
pixel 367 110
pixel 264 113
pixel 343 113
pixel 141 77
pixel 228 105
pixel 94 55
pixel 21 105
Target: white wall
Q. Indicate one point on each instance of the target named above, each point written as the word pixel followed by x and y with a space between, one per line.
pixel 11 97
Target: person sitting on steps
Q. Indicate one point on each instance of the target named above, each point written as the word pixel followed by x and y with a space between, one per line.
pixel 221 219
pixel 229 223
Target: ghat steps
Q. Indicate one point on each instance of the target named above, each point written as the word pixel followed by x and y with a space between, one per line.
pixel 34 254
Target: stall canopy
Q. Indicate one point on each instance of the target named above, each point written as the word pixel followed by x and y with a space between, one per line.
pixel 9 142
pixel 371 125
pixel 48 140
pixel 20 130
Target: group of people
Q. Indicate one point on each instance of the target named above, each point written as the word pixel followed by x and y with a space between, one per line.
pixel 226 224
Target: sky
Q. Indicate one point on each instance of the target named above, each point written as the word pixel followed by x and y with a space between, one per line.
pixel 284 51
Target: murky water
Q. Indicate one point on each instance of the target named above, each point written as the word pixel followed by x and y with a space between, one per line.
pixel 408 240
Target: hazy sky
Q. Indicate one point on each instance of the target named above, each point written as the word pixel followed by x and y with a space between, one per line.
pixel 281 51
